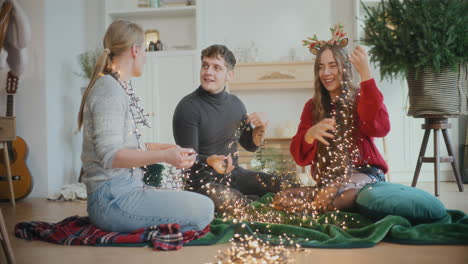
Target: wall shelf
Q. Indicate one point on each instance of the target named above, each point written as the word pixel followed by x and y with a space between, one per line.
pixel 152 12
pixel 175 52
pixel 177 25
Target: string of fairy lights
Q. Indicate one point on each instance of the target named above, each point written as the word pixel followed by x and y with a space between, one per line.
pixel 334 166
pixel 251 249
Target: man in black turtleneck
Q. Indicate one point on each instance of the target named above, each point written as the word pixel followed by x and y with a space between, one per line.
pixel 211 121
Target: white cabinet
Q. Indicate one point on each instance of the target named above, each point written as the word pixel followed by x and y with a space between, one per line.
pixel 167 78
pixel 177 26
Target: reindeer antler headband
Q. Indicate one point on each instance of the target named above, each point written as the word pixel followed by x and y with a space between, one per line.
pixel 337 39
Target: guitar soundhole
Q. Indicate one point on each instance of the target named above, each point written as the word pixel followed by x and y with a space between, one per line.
pixel 12 155
pixel 14 178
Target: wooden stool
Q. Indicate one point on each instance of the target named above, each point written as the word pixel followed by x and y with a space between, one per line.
pixel 7 249
pixel 8 134
pixel 437 123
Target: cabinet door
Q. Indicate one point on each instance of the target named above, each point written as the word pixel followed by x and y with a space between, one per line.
pixel 177 76
pixel 167 78
pixel 145 88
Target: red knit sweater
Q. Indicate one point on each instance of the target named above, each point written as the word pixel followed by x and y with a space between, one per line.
pixel 373 122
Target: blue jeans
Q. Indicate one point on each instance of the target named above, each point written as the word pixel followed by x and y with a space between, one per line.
pixel 375 175
pixel 124 204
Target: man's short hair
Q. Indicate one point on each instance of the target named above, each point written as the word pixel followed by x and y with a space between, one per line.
pixel 220 51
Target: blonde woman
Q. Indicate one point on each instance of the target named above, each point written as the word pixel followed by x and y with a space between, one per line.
pixel 113 152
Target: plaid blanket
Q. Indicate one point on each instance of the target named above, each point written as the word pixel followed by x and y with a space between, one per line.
pixel 76 230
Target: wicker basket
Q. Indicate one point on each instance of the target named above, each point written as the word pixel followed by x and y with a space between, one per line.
pixel 441 93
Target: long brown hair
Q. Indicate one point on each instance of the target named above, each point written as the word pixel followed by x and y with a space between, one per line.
pixel 322 100
pixel 333 161
pixel 119 37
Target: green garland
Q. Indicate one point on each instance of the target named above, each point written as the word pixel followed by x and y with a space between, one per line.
pixel 153 175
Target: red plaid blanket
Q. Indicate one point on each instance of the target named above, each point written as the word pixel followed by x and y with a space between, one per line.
pixel 76 230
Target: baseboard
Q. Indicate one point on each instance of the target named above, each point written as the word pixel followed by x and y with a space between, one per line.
pixel 424 176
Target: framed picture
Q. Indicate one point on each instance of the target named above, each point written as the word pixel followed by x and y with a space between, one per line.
pixel 151 35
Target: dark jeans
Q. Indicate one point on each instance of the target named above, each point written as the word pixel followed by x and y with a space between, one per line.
pixel 233 190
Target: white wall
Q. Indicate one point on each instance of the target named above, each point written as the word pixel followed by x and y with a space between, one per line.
pixel 47 101
pixel 95 23
pixel 275 26
pixel 30 100
pixel 63 40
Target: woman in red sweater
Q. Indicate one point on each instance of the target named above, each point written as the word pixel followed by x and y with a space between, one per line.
pixel 335 135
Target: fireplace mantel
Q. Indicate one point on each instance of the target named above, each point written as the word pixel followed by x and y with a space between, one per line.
pixel 273 76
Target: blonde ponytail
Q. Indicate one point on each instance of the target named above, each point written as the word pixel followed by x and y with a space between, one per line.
pixel 120 36
pixel 102 63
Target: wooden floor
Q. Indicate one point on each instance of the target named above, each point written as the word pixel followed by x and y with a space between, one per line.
pixel 42 252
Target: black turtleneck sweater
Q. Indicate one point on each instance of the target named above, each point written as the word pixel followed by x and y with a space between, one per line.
pixel 211 124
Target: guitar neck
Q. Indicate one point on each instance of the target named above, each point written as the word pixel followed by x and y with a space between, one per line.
pixel 9 111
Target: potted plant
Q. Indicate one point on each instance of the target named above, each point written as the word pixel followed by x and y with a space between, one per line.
pixel 425 41
pixel 87 62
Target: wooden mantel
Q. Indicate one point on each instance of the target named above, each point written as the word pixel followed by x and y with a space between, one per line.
pixel 273 75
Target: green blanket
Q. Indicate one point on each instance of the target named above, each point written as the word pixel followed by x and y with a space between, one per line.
pixel 327 231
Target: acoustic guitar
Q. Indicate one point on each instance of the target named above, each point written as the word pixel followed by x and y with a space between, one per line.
pixel 18 151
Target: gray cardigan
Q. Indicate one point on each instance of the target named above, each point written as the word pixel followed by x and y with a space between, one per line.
pixel 108 126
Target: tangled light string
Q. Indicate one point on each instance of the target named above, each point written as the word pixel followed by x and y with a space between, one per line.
pixel 251 249
pixel 334 162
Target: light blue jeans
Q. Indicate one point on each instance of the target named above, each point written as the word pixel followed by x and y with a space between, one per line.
pixel 125 204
